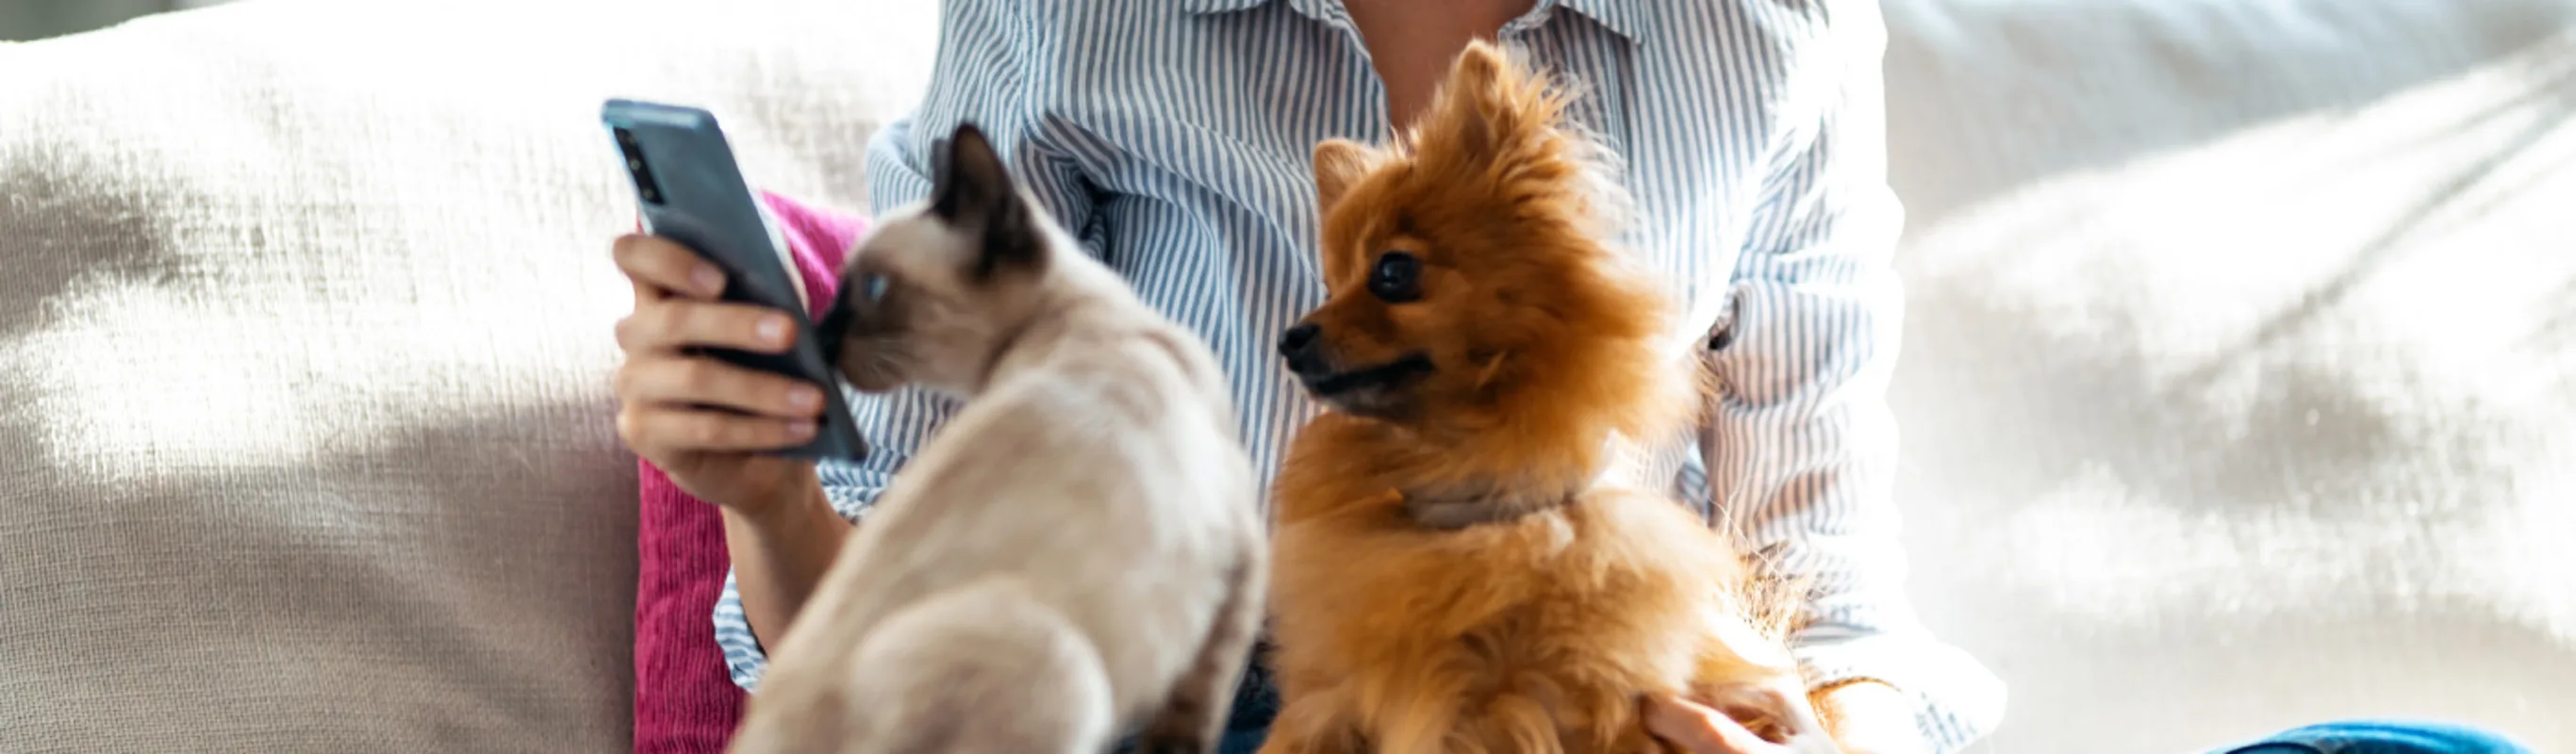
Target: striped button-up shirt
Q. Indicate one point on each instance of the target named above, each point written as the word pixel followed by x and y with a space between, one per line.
pixel 1173 137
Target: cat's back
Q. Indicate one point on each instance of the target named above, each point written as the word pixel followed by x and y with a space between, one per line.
pixel 1122 422
pixel 1129 387
pixel 1102 475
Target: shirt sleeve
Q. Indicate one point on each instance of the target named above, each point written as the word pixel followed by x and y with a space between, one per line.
pixel 850 488
pixel 990 58
pixel 1801 445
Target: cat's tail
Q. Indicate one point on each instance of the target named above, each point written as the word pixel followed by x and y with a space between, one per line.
pixel 982 669
pixel 1193 716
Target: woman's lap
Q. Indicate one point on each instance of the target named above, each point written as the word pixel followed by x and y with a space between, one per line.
pixel 1256 702
pixel 1241 741
pixel 2350 737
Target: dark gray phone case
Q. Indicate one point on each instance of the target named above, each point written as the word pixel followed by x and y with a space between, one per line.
pixel 690 191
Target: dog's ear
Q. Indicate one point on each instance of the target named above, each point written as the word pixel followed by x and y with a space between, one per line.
pixel 1338 164
pixel 1490 109
pixel 1472 111
pixel 971 190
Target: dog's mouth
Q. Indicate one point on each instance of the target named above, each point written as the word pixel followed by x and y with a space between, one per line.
pixel 1383 376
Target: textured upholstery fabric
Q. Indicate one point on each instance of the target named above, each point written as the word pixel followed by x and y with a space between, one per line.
pixel 2237 386
pixel 305 434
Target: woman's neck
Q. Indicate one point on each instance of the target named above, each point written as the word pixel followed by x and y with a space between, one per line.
pixel 1412 42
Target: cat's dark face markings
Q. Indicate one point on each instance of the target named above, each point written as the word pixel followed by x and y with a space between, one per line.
pixel 866 322
pixel 925 287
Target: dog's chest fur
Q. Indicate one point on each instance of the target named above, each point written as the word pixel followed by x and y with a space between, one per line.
pixel 1576 609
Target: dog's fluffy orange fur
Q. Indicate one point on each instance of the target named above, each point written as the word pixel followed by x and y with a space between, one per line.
pixel 1545 346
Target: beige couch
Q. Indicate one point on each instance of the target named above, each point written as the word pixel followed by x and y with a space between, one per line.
pixel 2237 389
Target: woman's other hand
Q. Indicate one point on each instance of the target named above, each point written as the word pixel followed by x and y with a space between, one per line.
pixel 1719 724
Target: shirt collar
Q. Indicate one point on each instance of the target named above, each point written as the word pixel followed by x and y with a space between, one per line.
pixel 1616 15
pixel 1619 16
pixel 1320 10
pixel 1220 6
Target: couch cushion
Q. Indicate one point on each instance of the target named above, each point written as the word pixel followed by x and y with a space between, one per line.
pixel 2239 386
pixel 304 339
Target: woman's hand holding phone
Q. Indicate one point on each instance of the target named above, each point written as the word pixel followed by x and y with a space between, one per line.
pixel 705 422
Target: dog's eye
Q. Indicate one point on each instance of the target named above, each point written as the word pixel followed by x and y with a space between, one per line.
pixel 873 286
pixel 1397 278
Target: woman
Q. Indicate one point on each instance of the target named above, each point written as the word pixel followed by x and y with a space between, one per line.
pixel 1173 139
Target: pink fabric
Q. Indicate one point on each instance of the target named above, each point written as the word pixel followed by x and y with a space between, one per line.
pixel 685 702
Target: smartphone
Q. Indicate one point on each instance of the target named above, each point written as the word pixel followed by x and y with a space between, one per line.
pixel 690 191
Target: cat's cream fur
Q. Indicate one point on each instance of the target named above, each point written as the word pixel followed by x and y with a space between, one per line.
pixel 1074 554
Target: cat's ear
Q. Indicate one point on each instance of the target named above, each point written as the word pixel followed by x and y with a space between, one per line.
pixel 971 190
pixel 1338 164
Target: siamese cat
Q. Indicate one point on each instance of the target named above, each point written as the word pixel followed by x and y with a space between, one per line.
pixel 1075 555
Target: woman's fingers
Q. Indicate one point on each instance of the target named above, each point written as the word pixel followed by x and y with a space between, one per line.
pixel 666 265
pixel 699 381
pixel 674 307
pixel 675 324
pixel 1782 710
pixel 1700 730
pixel 659 432
pixel 647 294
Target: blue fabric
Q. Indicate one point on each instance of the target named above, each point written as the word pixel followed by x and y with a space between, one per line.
pixel 1234 742
pixel 1256 702
pixel 2382 737
pixel 1242 741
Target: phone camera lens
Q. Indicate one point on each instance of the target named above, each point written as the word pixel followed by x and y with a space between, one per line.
pixel 635 168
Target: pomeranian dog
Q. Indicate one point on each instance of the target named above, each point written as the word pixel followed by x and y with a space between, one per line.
pixel 1460 561
pixel 1075 553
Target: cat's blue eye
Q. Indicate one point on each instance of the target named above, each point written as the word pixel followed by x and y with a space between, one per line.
pixel 874 287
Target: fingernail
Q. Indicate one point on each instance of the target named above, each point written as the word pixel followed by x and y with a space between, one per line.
pixel 710 282
pixel 773 329
pixel 804 397
pixel 800 429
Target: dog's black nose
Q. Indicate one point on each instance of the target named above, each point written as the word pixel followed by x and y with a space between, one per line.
pixel 1299 339
pixel 1298 346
